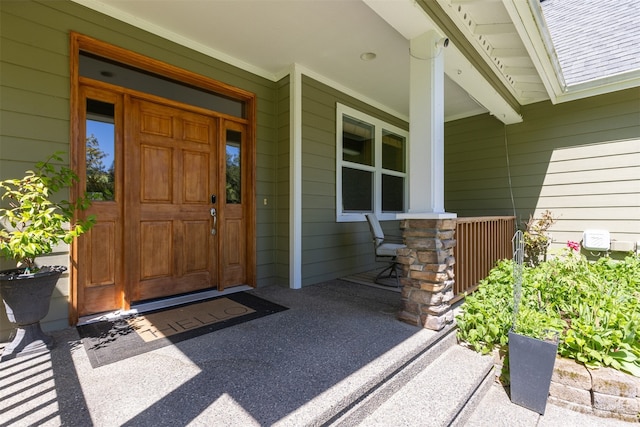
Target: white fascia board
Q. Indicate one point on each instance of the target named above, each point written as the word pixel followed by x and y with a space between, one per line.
pixel 601 86
pixel 170 35
pixel 411 20
pixel 523 14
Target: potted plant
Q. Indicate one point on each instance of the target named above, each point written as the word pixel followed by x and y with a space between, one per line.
pixel 533 343
pixel 32 223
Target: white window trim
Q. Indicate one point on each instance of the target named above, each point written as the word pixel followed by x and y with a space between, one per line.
pixel 379 125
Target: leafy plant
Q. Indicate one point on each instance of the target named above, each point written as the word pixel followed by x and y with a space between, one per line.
pixel 485 325
pixel 33 223
pixel 594 307
pixel 537 238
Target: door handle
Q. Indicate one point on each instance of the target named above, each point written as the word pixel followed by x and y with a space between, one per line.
pixel 214 214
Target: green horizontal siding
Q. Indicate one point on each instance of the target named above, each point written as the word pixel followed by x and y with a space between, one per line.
pixel 330 249
pixel 580 159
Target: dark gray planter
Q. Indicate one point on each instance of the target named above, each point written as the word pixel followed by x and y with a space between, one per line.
pixel 531 364
pixel 26 299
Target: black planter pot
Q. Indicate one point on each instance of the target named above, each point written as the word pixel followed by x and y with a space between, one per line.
pixel 26 299
pixel 531 364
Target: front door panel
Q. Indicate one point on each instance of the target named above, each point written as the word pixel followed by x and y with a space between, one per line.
pixel 171 171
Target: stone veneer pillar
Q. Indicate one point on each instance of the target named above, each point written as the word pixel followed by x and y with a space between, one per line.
pixel 427 266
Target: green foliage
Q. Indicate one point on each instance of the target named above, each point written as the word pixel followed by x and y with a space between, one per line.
pixel 487 314
pixel 33 223
pixel 100 181
pixel 537 238
pixel 234 189
pixel 594 307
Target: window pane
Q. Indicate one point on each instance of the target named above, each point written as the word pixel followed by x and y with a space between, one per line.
pixel 393 151
pixel 357 190
pixel 100 150
pixel 392 193
pixel 357 141
pixel 234 188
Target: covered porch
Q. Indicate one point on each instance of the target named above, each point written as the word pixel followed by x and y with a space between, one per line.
pixel 313 364
pixel 517 141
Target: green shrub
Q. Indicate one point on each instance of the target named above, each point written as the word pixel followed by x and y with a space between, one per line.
pixel 594 307
pixel 33 223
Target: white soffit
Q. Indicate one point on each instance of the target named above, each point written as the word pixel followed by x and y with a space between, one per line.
pixel 265 37
pixel 490 29
pixel 296 32
pixel 107 7
pixel 537 41
pixel 410 20
pixel 458 68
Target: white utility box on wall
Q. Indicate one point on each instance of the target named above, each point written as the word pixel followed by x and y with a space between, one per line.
pixel 596 240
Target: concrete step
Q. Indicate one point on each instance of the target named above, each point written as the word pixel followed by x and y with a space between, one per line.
pixel 358 407
pixel 440 387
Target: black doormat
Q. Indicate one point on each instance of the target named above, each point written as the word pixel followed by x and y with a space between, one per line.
pixel 110 341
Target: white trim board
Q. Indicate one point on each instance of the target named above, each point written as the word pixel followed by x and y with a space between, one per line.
pixel 295 177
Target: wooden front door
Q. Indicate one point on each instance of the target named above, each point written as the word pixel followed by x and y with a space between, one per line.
pixel 177 217
pixel 171 174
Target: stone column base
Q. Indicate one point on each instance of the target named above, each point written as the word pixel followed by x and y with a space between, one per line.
pixel 427 265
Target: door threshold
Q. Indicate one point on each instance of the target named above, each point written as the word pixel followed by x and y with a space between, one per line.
pixel 147 306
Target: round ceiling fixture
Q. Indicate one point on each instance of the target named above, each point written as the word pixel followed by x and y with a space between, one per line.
pixel 368 56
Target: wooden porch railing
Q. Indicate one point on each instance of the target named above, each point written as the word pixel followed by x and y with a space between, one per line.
pixel 481 241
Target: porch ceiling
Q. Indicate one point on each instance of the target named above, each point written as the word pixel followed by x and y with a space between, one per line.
pixel 328 37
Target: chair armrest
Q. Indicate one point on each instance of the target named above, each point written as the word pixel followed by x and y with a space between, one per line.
pixel 393 239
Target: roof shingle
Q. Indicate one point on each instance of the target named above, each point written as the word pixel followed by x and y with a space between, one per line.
pixel 594 39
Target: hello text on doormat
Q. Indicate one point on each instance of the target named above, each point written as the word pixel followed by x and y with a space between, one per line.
pixel 109 341
pixel 170 322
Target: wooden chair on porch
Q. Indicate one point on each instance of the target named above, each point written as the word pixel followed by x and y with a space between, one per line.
pixel 385 250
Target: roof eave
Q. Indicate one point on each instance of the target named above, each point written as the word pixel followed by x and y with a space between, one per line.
pixel 529 22
pixel 527 18
pixel 622 81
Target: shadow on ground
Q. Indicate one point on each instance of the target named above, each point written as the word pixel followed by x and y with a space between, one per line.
pixel 289 368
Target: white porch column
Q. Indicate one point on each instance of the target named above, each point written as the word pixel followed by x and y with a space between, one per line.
pixel 426 161
pixel 428 231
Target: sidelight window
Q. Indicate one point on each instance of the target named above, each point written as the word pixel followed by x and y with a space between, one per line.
pixel 100 150
pixel 233 166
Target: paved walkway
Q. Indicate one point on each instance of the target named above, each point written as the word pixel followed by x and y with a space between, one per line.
pixel 286 369
pixel 496 410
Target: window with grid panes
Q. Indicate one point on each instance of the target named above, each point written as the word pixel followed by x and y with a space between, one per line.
pixel 371 166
